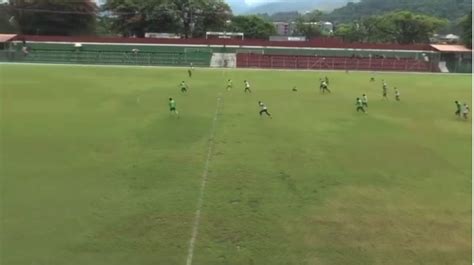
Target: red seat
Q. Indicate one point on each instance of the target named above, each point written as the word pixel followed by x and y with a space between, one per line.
pixel 330 62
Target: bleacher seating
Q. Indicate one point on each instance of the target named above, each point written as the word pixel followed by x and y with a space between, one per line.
pixel 115 57
pixel 251 60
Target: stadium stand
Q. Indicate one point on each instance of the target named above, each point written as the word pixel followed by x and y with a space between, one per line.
pixel 250 60
pixel 322 53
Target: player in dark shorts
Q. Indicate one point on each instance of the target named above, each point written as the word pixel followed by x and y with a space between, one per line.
pixel 263 109
pixel 229 84
pixel 384 89
pixel 360 105
pixel 324 87
pixel 190 73
pixel 172 105
pixel 184 87
pixel 247 87
pixel 397 94
pixel 458 108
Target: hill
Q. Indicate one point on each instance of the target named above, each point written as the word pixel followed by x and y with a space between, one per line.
pixel 237 6
pixel 297 5
pixel 452 10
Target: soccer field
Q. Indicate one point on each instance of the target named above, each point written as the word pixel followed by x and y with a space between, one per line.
pixel 95 170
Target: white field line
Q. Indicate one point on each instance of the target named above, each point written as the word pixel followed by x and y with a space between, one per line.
pixel 197 217
pixel 235 69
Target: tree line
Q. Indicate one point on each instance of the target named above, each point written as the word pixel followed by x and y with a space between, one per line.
pixel 193 18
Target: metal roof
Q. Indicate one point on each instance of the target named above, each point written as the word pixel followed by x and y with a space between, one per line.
pixel 450 48
pixel 6 37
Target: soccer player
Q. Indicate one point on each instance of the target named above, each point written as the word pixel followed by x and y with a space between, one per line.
pixel 365 101
pixel 324 87
pixel 294 89
pixel 190 73
pixel 372 79
pixel 247 87
pixel 172 105
pixel 360 105
pixel 384 88
pixel 465 111
pixel 458 108
pixel 397 94
pixel 263 109
pixel 327 80
pixel 229 85
pixel 184 87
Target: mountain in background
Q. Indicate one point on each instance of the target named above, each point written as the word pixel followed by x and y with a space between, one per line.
pixel 452 10
pixel 238 6
pixel 298 5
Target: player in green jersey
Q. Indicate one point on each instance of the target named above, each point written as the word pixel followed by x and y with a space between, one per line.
pixel 172 104
pixel 458 108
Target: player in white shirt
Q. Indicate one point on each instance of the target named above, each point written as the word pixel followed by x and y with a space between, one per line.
pixel 247 87
pixel 263 109
pixel 465 111
pixel 397 94
pixel 365 101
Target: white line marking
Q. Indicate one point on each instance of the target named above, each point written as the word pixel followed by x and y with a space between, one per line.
pixel 197 217
pixel 236 69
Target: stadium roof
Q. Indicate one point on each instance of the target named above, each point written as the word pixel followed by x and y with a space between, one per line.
pixel 6 37
pixel 450 48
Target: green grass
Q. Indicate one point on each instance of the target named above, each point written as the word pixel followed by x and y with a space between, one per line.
pixel 89 175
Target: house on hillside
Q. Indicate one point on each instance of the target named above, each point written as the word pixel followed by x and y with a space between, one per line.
pixel 284 28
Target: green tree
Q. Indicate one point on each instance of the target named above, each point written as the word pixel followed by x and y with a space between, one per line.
pixel 185 17
pixel 406 27
pixel 54 17
pixel 313 16
pixel 253 27
pixel 284 16
pixel 104 26
pixel 131 16
pixel 309 29
pixel 448 9
pixel 212 16
pixel 350 32
pixel 402 27
pixel 466 25
pixel 7 19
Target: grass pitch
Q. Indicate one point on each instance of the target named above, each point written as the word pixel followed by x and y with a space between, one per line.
pixel 96 171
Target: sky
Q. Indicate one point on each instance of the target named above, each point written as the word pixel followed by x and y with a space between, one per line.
pixel 254 2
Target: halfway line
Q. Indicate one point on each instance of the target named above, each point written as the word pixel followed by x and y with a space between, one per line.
pixel 197 218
